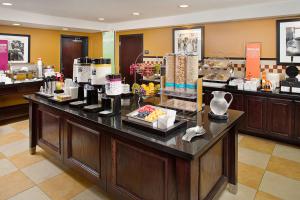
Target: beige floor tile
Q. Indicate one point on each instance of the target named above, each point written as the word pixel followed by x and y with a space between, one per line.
pixel 2 156
pixel 41 171
pixel 93 193
pixel 15 147
pixel 265 196
pixel 288 168
pixel 280 186
pixel 33 193
pixel 258 144
pixel 244 193
pixel 25 159
pixel 63 187
pixel 13 183
pixel 249 175
pixel 252 157
pixel 21 125
pixel 10 138
pixel 6 167
pixel 25 132
pixel 6 129
pixel 287 152
pixel 240 137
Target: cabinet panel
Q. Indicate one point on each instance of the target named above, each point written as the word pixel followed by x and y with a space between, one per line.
pixel 280 117
pixel 49 132
pixel 255 108
pixel 133 167
pixel 84 149
pixel 297 119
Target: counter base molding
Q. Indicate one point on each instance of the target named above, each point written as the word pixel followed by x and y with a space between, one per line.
pixel 129 168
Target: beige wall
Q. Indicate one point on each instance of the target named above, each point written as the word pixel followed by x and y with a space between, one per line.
pixel 46 43
pixel 221 39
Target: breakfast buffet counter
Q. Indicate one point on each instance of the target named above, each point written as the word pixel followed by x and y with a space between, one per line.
pixel 130 163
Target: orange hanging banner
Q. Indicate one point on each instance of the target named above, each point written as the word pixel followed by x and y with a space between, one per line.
pixel 253 60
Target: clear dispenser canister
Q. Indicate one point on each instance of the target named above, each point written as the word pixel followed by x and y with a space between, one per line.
pixel 170 72
pixel 191 73
pixel 180 73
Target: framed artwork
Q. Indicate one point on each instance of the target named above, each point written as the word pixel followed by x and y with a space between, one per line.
pixel 189 41
pixel 18 47
pixel 288 42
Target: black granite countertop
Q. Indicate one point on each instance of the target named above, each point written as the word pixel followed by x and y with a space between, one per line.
pixel 273 94
pixel 20 83
pixel 173 145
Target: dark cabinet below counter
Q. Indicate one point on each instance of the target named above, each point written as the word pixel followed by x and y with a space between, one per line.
pixel 297 120
pixel 266 115
pixel 280 117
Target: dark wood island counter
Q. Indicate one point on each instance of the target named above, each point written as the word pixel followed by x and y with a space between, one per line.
pixel 130 163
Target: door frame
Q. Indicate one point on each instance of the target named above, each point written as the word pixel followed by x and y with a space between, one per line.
pixel 85 42
pixel 141 35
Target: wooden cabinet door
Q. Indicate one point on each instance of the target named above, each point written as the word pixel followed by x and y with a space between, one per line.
pixel 280 117
pixel 297 119
pixel 237 102
pixel 255 108
pixel 132 167
pixel 49 131
pixel 85 149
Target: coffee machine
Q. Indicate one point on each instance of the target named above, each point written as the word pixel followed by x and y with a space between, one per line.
pixel 291 84
pixel 111 102
pixel 82 78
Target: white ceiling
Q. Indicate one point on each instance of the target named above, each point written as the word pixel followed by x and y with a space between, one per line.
pixel 121 10
pixel 82 15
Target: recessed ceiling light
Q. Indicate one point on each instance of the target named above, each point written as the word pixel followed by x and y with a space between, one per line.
pixel 183 6
pixel 65 29
pixel 16 24
pixel 7 4
pixel 136 13
pixel 101 19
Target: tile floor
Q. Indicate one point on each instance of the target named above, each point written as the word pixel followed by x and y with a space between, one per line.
pixel 267 171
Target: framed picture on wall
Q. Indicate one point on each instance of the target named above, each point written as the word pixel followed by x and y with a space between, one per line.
pixel 288 42
pixel 18 47
pixel 189 41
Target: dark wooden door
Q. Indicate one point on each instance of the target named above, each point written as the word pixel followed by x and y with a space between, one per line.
pixel 297 119
pixel 256 114
pixel 131 46
pixel 280 116
pixel 71 48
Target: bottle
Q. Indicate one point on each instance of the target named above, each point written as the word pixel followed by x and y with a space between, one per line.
pixel 40 67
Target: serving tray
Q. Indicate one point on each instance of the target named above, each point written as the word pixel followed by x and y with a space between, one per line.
pixel 42 94
pixel 62 102
pixel 160 132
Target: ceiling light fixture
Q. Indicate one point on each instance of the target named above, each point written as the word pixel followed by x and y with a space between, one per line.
pixel 65 29
pixel 7 4
pixel 16 24
pixel 101 19
pixel 183 6
pixel 136 13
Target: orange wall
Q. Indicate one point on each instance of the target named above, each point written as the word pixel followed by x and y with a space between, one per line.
pixel 226 39
pixel 46 43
